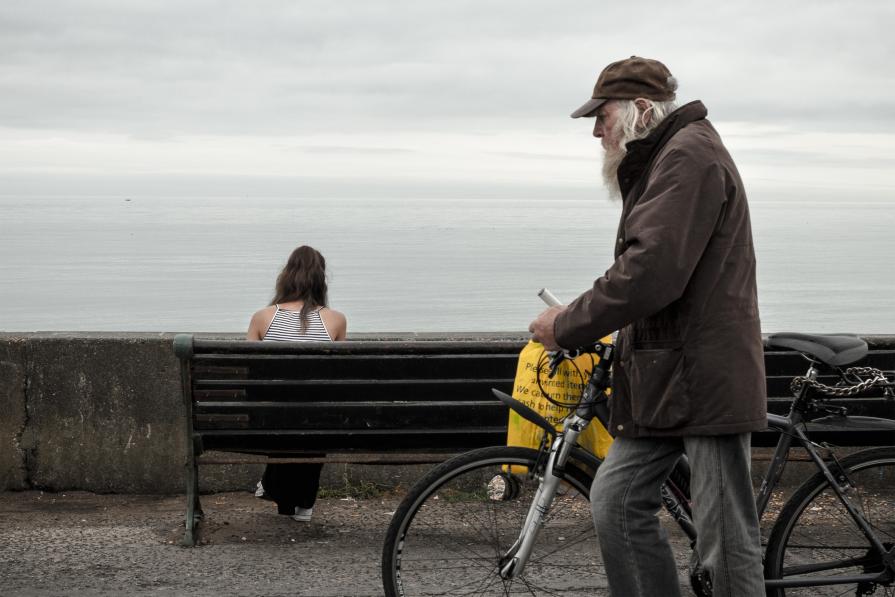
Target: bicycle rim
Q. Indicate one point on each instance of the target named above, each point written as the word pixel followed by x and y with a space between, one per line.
pixel 815 537
pixel 449 534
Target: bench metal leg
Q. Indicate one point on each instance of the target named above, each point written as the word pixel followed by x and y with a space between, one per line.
pixel 194 512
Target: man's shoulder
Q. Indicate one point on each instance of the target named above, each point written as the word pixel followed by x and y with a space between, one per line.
pixel 699 133
pixel 698 142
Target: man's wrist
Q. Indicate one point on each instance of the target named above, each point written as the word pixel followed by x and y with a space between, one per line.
pixel 557 328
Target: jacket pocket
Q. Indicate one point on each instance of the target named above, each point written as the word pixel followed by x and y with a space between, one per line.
pixel 658 396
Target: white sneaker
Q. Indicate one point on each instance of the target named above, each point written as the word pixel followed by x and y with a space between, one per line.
pixel 303 514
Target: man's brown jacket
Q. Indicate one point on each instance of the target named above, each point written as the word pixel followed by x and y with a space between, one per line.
pixel 682 290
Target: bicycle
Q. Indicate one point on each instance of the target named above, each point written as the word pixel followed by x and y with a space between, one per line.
pixel 504 520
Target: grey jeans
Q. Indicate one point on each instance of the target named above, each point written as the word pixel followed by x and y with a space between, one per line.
pixel 625 499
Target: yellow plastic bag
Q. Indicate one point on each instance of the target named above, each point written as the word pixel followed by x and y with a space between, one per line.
pixel 565 387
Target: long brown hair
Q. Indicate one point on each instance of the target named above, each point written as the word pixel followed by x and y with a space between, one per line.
pixel 303 279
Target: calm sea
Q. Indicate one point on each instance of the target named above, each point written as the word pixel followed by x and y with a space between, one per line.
pixel 206 264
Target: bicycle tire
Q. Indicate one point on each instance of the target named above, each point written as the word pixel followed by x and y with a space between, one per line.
pixel 447 535
pixel 815 530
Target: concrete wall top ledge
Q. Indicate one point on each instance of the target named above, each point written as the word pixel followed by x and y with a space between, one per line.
pixel 370 336
pixel 874 340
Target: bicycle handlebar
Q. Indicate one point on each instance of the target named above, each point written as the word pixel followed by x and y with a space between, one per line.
pixel 559 356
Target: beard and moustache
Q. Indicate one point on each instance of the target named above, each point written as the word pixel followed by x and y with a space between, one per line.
pixel 615 154
pixel 612 159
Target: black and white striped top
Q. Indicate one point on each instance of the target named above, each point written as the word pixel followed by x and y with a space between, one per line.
pixel 286 325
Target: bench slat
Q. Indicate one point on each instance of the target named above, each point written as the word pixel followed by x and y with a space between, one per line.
pixel 383 393
pixel 351 415
pixel 333 383
pixel 353 358
pixel 200 346
pixel 266 441
pixel 430 367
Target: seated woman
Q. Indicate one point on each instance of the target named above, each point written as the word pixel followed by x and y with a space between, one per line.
pixel 297 313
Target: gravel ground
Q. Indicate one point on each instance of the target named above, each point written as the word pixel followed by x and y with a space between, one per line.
pixel 97 545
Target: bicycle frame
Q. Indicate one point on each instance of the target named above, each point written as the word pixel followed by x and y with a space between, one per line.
pixel 592 404
pixel 513 562
pixel 792 428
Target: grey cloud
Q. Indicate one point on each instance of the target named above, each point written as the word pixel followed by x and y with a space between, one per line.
pixel 816 158
pixel 334 149
pixel 544 156
pixel 203 67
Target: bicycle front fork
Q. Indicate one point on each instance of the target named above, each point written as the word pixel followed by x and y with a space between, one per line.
pixel 513 561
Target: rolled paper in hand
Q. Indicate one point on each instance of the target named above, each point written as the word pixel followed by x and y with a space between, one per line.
pixel 548 297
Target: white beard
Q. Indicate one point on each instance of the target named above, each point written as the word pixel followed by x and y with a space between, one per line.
pixel 612 158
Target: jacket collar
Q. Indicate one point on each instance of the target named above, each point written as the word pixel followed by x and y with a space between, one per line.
pixel 641 152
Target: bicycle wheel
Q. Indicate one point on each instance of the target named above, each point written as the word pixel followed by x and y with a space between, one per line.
pixel 815 537
pixel 449 533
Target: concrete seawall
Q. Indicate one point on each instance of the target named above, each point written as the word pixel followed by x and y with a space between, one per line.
pixel 103 412
pixel 100 412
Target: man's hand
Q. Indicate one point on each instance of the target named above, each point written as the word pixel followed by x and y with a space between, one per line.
pixel 542 328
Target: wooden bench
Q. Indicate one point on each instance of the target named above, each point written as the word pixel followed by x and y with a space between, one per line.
pixel 360 402
pixel 387 401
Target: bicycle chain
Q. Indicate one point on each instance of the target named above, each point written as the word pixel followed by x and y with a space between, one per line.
pixel 877 379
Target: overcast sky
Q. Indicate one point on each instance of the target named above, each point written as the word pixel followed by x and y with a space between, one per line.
pixel 425 97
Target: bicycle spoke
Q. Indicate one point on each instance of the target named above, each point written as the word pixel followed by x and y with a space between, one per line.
pixel 453 544
pixel 476 527
pixel 472 557
pixel 540 590
pixel 528 587
pixel 583 536
pixel 494 525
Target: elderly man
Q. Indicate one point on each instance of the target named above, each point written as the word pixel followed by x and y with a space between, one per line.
pixel 689 376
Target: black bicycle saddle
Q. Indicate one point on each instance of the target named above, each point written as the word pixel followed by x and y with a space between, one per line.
pixel 832 349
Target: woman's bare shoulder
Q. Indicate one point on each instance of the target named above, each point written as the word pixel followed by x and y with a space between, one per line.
pixel 260 322
pixel 332 312
pixel 336 322
pixel 265 313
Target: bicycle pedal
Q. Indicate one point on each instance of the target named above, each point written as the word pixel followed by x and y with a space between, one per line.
pixel 700 580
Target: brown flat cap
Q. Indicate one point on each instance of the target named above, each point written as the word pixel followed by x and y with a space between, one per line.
pixel 630 78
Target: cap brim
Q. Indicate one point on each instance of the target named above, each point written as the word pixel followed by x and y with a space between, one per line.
pixel 589 108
